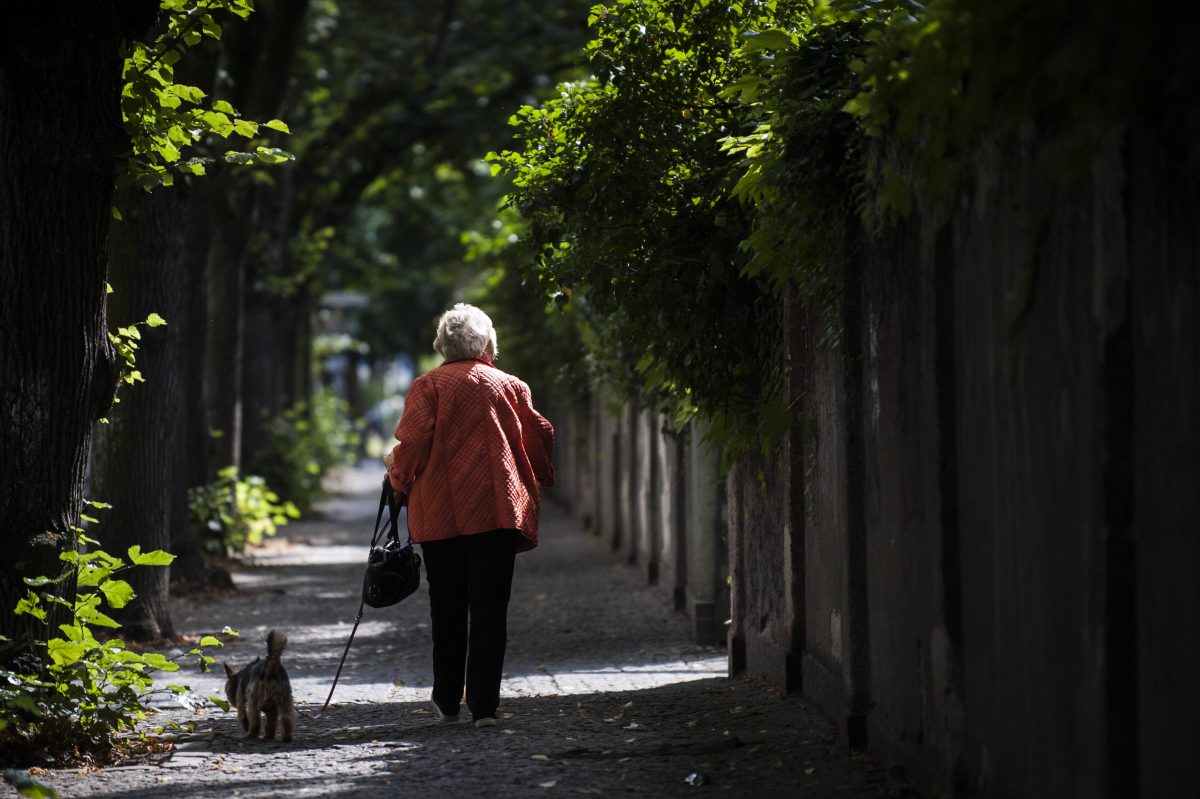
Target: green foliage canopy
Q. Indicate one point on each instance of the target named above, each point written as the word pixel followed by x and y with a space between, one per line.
pixel 632 204
pixel 174 126
pixel 722 154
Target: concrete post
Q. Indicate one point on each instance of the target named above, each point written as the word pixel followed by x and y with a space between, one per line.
pixel 649 520
pixel 627 482
pixel 704 534
pixel 671 513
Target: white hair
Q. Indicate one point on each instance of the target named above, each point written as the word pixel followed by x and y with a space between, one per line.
pixel 463 332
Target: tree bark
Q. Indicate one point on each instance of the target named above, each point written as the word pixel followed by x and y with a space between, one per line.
pixel 259 59
pixel 190 568
pixel 225 289
pixel 136 460
pixel 60 137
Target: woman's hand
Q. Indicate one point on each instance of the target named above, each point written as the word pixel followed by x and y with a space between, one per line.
pixel 388 457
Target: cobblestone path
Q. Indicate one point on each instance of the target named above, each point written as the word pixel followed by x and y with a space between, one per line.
pixel 603 695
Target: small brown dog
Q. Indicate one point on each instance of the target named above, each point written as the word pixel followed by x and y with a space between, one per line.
pixel 263 687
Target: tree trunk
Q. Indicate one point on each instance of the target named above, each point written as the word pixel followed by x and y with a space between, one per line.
pixel 259 56
pixel 60 138
pixel 136 460
pixel 199 69
pixel 223 354
pixel 189 568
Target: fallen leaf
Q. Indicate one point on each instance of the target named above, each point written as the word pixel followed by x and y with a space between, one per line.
pixel 549 784
pixel 539 757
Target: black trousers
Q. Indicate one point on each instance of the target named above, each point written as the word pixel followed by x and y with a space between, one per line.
pixel 470 582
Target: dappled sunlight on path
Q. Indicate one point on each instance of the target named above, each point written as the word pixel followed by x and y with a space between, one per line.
pixel 603 692
pixel 579 621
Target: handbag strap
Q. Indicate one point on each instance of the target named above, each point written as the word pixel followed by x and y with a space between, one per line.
pixel 387 499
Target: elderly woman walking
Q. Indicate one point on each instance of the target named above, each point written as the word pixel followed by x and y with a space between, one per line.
pixel 471 456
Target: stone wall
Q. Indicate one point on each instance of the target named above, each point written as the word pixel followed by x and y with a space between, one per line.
pixel 978 550
pixel 983 542
pixel 655 497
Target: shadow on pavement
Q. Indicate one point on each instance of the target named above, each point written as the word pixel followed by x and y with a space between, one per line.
pixel 603 694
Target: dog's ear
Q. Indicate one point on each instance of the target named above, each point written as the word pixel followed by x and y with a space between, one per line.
pixel 228 671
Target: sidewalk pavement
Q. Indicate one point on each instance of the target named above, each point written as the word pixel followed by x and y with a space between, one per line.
pixel 603 693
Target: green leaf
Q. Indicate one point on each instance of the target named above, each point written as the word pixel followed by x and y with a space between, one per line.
pixel 272 155
pixel 157 661
pixel 218 122
pixel 116 214
pixel 766 40
pixel 154 320
pixel 277 124
pixel 27 786
pixel 210 640
pixel 156 558
pixel 31 606
pixel 64 653
pixel 117 592
pixel 78 633
pixel 90 615
pixel 210 27
pixel 92 574
pixel 190 93
pixel 244 127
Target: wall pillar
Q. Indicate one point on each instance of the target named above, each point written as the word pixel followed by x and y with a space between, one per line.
pixel 704 524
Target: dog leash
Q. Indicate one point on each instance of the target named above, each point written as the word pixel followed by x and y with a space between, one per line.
pixel 318 714
pixel 357 617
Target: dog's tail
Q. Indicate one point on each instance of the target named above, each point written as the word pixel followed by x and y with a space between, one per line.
pixel 276 641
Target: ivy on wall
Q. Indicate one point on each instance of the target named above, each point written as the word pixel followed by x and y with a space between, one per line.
pixel 720 154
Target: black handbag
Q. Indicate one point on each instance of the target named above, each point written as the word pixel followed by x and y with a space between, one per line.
pixel 393 568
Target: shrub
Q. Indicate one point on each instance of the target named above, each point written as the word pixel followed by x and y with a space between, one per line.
pixel 305 442
pixel 230 513
pixel 78 691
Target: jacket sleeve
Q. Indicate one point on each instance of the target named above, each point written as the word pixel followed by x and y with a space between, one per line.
pixel 538 439
pixel 414 434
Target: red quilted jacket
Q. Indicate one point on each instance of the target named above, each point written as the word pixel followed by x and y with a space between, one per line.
pixel 472 453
